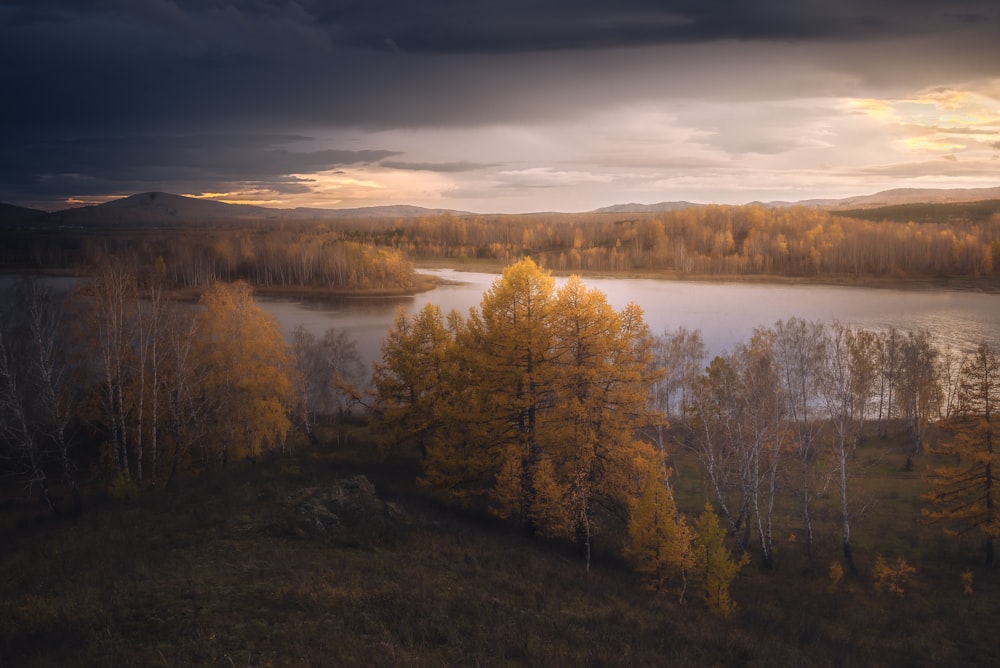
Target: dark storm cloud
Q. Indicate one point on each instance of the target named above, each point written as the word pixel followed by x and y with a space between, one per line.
pixel 530 25
pixel 96 90
pixel 187 163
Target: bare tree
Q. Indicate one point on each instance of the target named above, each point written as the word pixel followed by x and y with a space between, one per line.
pixel 918 389
pixel 678 360
pixel 799 354
pixel 327 369
pixel 740 417
pixel 38 400
pixel 846 385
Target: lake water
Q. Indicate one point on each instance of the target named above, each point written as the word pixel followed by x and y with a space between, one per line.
pixel 726 313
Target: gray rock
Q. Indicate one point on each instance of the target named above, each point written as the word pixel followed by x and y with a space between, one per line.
pixel 348 512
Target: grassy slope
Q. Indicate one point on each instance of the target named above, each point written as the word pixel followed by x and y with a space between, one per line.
pixel 949 212
pixel 194 577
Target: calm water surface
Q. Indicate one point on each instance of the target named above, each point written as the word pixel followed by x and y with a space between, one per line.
pixel 726 313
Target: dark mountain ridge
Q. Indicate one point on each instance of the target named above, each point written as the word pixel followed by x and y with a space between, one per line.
pixel 152 210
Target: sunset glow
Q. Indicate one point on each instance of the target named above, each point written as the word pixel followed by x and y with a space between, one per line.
pixel 503 109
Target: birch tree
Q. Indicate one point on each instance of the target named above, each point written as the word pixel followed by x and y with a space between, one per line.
pixel 799 354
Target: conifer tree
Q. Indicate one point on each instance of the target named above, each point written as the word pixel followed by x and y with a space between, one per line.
pixel 659 543
pixel 715 564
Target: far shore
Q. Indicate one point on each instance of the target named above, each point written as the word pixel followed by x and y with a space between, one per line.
pixel 426 282
pixel 987 285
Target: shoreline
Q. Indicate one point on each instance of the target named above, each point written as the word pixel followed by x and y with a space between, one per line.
pixel 427 282
pixel 982 285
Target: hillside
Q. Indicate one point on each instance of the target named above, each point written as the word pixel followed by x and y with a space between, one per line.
pixel 895 197
pixel 633 207
pixel 11 215
pixel 929 212
pixel 154 210
pixel 211 572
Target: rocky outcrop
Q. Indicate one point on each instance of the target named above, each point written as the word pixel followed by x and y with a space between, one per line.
pixel 347 512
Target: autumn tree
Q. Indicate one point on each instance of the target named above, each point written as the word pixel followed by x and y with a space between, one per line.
pixel 741 437
pixel 601 361
pixel 918 390
pixel 715 566
pixel 799 357
pixel 21 451
pixel 964 495
pixel 680 354
pixel 660 542
pixel 678 357
pixel 248 372
pixel 846 383
pixel 530 405
pixel 187 410
pixel 328 369
pixel 111 321
pixel 715 417
pixel 409 380
pixel 510 355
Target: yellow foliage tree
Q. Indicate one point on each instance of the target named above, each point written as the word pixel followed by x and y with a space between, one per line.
pixel 248 372
pixel 410 379
pixel 530 405
pixel 715 563
pixel 659 543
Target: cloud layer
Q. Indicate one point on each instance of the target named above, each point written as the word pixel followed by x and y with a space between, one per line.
pixel 494 106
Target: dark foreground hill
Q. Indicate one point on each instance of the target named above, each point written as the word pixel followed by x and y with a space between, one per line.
pixel 213 572
pixel 244 567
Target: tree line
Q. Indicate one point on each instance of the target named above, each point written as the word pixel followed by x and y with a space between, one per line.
pixel 297 256
pixel 138 388
pixel 712 240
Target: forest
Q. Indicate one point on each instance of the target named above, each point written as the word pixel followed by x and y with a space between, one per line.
pixel 720 485
pixel 921 241
pixel 717 240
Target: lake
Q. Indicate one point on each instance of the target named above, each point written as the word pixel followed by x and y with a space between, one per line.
pixel 726 313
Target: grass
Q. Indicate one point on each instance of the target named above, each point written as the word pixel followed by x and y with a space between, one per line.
pixel 195 575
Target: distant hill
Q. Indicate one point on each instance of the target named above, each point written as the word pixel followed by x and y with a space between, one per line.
pixel 159 210
pixel 156 209
pixel 919 196
pixel 164 210
pixel 632 207
pixel 927 212
pixel 898 196
pixel 13 215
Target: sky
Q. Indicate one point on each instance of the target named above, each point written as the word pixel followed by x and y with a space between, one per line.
pixel 495 106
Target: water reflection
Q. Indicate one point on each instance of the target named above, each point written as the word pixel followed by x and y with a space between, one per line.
pixel 726 313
